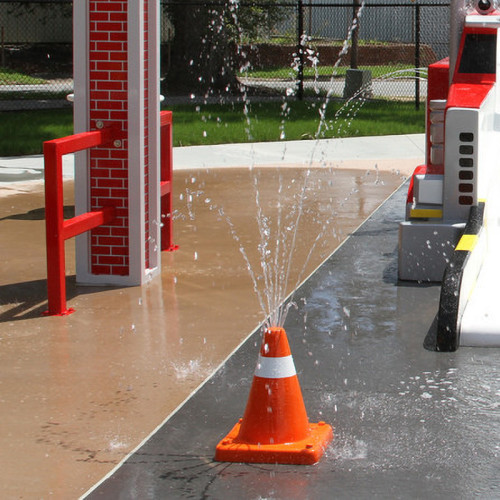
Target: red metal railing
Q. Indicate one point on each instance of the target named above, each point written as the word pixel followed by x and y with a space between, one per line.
pixel 58 230
pixel 166 179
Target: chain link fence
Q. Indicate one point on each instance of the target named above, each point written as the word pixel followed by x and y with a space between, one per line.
pixel 301 48
pixel 317 47
pixel 36 66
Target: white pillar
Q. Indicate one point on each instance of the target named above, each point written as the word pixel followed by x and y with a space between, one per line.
pixel 117 84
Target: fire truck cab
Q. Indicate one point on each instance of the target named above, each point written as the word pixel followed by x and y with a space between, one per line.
pixel 462 148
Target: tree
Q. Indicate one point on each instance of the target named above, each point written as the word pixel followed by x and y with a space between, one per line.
pixel 205 53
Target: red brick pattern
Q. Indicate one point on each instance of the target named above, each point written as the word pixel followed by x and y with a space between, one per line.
pixel 109 105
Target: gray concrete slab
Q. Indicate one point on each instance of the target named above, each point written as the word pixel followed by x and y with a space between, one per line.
pixel 400 147
pixel 31 167
pixel 409 422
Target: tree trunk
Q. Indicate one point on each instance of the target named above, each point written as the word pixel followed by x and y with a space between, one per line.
pixel 203 55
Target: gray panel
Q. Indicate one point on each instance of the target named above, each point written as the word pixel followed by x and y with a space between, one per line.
pixel 425 248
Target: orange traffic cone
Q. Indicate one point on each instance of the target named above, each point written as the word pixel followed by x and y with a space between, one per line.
pixel 275 427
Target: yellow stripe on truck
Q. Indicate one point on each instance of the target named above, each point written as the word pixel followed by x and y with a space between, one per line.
pixel 426 213
pixel 467 242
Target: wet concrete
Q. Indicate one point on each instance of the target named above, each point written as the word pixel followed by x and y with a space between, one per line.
pixel 409 422
pixel 78 393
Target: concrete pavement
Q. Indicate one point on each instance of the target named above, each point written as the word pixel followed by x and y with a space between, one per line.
pixel 333 152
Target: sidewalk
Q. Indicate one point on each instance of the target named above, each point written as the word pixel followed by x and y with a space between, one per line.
pixel 396 150
pixel 399 86
pixel 329 152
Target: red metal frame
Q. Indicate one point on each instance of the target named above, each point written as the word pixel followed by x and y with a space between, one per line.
pixel 58 230
pixel 166 179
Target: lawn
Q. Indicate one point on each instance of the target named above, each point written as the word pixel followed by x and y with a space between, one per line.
pixel 11 77
pixel 23 132
pixel 273 121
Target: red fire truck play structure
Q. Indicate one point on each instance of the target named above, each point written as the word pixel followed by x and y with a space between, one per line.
pixel 451 226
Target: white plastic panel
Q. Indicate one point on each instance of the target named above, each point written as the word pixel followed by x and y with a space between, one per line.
pixel 429 189
pixel 461 153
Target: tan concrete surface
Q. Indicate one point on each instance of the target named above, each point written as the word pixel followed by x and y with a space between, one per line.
pixel 78 393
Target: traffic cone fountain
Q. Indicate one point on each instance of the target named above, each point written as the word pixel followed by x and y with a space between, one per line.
pixel 275 427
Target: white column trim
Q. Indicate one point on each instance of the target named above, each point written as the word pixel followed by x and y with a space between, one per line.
pixel 154 135
pixel 137 246
pixel 81 124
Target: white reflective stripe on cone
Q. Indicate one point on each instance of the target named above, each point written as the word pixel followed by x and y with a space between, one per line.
pixel 275 367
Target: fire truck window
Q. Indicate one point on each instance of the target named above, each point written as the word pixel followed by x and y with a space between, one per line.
pixel 479 54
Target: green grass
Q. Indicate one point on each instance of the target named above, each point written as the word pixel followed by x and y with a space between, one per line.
pixel 215 124
pixel 24 132
pixel 11 77
pixel 325 72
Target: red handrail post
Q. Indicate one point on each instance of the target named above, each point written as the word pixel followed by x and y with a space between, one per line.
pixel 57 230
pixel 54 222
pixel 166 181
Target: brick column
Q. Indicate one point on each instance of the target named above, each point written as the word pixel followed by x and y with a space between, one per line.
pixel 116 84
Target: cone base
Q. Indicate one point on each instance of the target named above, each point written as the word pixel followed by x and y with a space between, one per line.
pixel 305 452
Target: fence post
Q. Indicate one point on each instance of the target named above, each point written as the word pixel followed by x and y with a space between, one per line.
pixel 417 57
pixel 300 50
pixel 355 34
pixel 3 46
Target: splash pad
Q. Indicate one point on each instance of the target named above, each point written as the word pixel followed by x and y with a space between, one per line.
pixel 418 383
pixel 377 316
pixel 395 406
pixel 107 362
